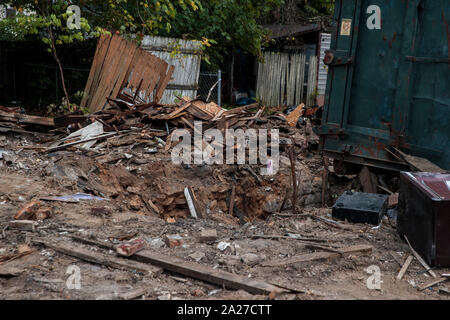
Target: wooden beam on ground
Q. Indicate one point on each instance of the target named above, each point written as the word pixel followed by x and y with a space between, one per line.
pixel 307 257
pixel 404 267
pixel 100 258
pixel 317 256
pixel 195 270
pixel 26 119
pixel 420 259
pixel 432 283
pixel 206 273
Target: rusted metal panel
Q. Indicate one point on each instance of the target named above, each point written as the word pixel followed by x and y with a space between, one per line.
pixel 388 82
pixel 424 215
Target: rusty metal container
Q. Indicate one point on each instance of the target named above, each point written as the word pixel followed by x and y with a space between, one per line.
pixel 388 82
pixel 424 214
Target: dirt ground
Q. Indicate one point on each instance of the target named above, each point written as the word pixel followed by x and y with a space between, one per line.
pixel 130 183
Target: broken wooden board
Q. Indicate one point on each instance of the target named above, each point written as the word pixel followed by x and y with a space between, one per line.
pixel 195 270
pixel 99 257
pixel 292 118
pixel 420 259
pixel 307 257
pixel 318 256
pixel 26 119
pixel 432 283
pixel 206 273
pixel 404 267
pixel 368 180
pixel 119 64
pixel 418 163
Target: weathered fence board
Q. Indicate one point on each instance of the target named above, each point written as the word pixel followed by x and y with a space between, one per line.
pixel 281 79
pixel 185 56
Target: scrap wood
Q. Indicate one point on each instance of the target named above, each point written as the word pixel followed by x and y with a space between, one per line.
pixel 420 259
pixel 444 291
pixel 397 258
pixel 99 258
pixel 414 162
pixel 26 119
pixel 118 65
pixel 133 294
pixel 208 274
pixel 292 118
pixel 192 203
pixel 22 250
pixel 320 255
pixel 23 225
pixel 432 283
pixel 404 267
pixel 307 257
pixel 195 270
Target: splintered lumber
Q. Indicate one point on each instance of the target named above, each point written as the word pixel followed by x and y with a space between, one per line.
pixel 420 259
pixel 194 270
pixel 292 118
pixel 133 294
pixel 100 258
pixel 397 258
pixel 26 119
pixel 307 257
pixel 357 249
pixel 405 267
pixel 317 256
pixel 432 283
pixel 190 201
pixel 119 64
pixel 23 225
pixel 205 273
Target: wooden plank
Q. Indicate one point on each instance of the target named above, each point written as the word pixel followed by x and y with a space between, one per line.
pixel 100 258
pixel 432 283
pixel 92 72
pixel 112 70
pixel 206 273
pixel 163 84
pixel 307 257
pixel 397 258
pixel 26 119
pixel 404 267
pixel 131 49
pixel 368 180
pixel 103 82
pixel 356 249
pixel 195 270
pixel 419 258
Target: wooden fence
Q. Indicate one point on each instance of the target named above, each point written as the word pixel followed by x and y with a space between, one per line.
pixel 281 79
pixel 185 56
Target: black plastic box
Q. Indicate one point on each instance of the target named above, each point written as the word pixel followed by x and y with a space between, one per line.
pixel 360 207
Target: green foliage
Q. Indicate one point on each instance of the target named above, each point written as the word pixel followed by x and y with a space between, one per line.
pixel 65 107
pixel 224 26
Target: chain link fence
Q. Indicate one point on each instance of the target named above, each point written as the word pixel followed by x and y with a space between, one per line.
pixel 210 86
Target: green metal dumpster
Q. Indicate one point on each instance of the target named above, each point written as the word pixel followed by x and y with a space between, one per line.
pixel 388 83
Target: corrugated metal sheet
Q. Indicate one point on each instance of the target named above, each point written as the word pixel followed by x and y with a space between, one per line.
pixel 185 55
pixel 325 42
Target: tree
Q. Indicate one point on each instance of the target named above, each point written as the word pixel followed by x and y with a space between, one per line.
pixel 225 25
pixel 47 19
